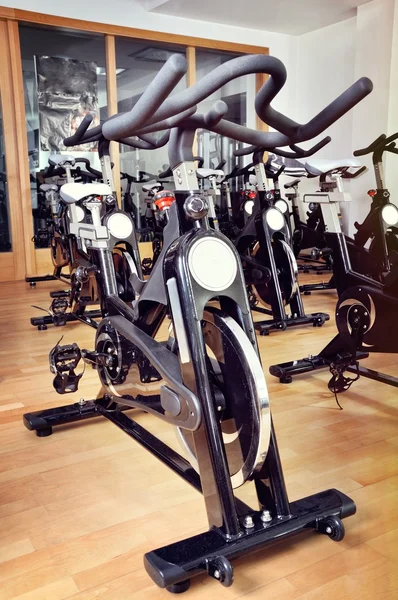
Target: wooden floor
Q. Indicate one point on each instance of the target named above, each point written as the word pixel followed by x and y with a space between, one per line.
pixel 80 508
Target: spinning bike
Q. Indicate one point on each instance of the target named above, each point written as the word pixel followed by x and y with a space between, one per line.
pixel 270 267
pixel 68 251
pixel 364 314
pixel 380 227
pixel 211 385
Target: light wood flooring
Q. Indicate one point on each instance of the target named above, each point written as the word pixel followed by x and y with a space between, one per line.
pixel 80 508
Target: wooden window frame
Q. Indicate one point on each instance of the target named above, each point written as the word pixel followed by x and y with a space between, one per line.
pixel 37 260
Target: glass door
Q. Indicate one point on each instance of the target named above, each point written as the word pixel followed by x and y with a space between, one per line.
pixel 64 78
pixel 12 254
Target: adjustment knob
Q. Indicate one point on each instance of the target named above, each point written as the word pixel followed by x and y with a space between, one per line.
pixel 110 200
pixel 195 207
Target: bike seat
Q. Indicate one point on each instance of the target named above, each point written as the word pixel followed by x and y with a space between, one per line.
pixel 46 187
pixel 148 187
pixel 216 174
pixel 320 166
pixel 73 192
pixel 61 159
pixel 291 184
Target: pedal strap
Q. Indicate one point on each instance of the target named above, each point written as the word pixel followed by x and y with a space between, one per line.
pixel 339 382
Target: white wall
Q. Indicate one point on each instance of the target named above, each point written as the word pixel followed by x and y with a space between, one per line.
pixel 330 60
pixel 392 159
pixel 374 32
pixel 325 68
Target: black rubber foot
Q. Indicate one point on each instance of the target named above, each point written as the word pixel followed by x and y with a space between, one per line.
pixel 42 327
pixel 179 588
pixel 307 293
pixel 44 432
pixel 286 379
pixel 32 284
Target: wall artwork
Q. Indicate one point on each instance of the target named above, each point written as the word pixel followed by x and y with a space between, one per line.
pixel 67 90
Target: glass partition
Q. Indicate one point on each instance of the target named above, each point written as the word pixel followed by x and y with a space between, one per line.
pixel 5 232
pixel 137 62
pixel 64 77
pixel 239 96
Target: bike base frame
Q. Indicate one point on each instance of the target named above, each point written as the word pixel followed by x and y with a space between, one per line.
pixel 199 554
pixel 173 566
pixel 265 327
pixel 286 371
pixel 42 322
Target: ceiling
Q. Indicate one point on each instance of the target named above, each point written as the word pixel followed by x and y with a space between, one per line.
pixel 293 17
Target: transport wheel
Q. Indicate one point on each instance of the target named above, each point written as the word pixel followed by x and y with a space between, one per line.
pixel 333 527
pixel 240 395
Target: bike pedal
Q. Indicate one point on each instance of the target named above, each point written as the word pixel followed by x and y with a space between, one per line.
pixel 58 310
pixel 63 362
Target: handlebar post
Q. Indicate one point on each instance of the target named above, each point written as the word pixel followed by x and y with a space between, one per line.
pixel 261 176
pixel 185 176
pixel 379 174
pixel 106 165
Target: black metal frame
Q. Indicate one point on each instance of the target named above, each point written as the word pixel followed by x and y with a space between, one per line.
pixel 235 528
pixel 364 296
pixel 258 229
pixel 211 552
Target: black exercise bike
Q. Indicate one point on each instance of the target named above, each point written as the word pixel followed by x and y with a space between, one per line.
pixel 207 379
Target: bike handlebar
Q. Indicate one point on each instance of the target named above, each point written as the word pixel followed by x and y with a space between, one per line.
pixel 348 175
pixel 372 147
pixel 378 147
pixel 324 119
pixel 77 137
pixel 296 152
pixel 142 113
pixel 89 168
pixel 154 108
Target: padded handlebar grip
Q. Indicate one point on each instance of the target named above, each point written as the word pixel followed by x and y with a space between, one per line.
pixel 167 123
pixel 298 152
pixel 348 175
pixel 81 130
pixel 300 133
pixel 391 138
pixel 267 140
pixel 166 173
pixel 89 168
pixel 147 142
pixel 216 113
pixel 200 160
pixel 372 147
pixel 126 125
